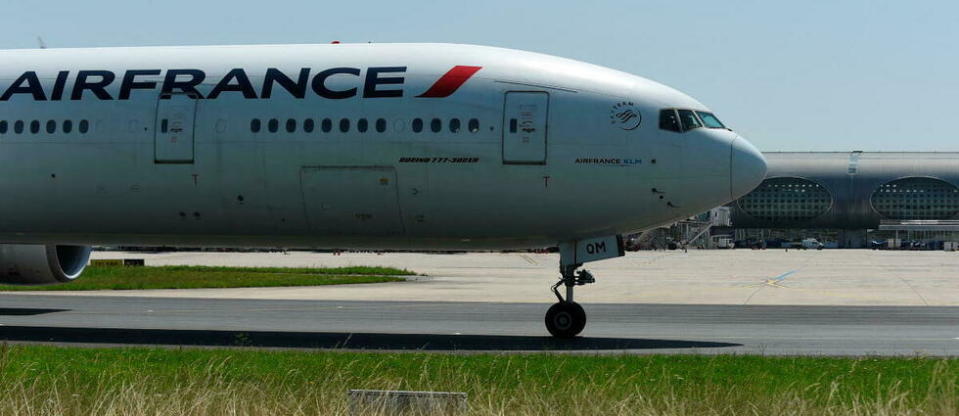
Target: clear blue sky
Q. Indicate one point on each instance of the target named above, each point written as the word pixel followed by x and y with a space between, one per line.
pixel 799 75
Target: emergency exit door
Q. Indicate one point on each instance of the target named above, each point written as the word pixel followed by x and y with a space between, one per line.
pixel 525 129
pixel 175 129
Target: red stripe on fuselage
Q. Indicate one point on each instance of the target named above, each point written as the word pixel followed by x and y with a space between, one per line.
pixel 451 81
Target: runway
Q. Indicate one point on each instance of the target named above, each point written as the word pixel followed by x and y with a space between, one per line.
pixel 478 326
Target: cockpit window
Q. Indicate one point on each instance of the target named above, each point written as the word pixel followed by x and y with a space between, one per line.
pixel 669 121
pixel 689 120
pixel 679 120
pixel 710 120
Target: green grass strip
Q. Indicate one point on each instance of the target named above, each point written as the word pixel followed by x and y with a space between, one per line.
pixel 196 277
pixel 210 381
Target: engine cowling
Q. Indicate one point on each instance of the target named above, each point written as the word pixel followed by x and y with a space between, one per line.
pixel 25 264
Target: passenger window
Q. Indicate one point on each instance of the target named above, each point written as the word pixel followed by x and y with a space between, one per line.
pixel 308 125
pixel 417 125
pixel 255 125
pixel 273 125
pixel 34 127
pixel 290 125
pixel 84 126
pixel 3 127
pixel 327 125
pixel 67 126
pixel 455 125
pixel 689 120
pixel 669 121
pixel 474 126
pixel 380 125
pixel 436 125
pixel 164 125
pixel 512 125
pixel 362 125
pixel 18 127
pixel 51 127
pixel 344 125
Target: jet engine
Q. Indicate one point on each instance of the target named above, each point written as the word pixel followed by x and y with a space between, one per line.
pixel 24 264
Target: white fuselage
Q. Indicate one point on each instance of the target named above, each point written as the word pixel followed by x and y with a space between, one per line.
pixel 180 148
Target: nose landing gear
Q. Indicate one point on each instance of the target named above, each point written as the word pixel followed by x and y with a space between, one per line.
pixel 566 318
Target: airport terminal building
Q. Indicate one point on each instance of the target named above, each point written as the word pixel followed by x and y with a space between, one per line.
pixel 850 199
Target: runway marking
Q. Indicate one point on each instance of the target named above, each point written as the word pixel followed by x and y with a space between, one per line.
pixel 528 259
pixel 785 275
pixel 914 290
pixel 774 282
pixel 652 260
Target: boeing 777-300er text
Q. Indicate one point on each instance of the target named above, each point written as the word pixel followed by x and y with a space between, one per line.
pixel 349 146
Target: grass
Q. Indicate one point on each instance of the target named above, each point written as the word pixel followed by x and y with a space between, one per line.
pixel 194 277
pixel 42 380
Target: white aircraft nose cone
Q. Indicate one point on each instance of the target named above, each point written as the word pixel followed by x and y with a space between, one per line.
pixel 747 168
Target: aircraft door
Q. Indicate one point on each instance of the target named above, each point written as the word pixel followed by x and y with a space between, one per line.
pixel 525 127
pixel 175 129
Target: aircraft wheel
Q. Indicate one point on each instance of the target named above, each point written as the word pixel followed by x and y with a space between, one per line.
pixel 565 319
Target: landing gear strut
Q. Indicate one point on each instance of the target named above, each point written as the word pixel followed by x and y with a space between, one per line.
pixel 566 319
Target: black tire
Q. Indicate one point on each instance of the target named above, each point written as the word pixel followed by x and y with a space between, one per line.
pixel 565 319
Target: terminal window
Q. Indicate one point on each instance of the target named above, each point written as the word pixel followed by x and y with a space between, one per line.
pixel 917 199
pixel 787 199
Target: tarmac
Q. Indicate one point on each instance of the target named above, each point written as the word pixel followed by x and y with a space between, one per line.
pixel 830 302
pixel 700 277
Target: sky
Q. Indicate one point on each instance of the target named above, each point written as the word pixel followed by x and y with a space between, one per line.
pixel 811 75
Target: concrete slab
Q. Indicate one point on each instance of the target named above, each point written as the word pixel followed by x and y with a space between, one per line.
pixel 735 277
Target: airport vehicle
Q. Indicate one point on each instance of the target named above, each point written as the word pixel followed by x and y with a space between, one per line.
pixel 724 242
pixel 365 146
pixel 812 243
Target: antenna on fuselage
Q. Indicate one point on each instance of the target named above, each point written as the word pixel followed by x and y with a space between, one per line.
pixel 43 45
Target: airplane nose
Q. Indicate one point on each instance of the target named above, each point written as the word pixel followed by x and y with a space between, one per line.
pixel 747 168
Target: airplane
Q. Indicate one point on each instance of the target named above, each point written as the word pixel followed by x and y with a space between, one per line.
pixel 348 146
